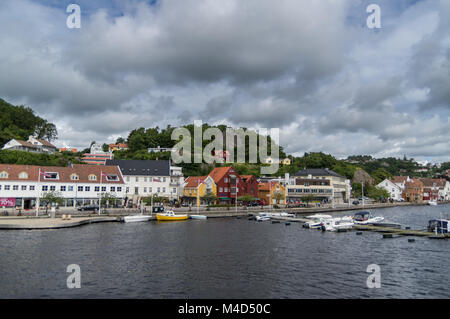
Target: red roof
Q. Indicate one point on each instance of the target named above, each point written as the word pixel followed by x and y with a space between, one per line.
pixel 194 181
pixel 219 172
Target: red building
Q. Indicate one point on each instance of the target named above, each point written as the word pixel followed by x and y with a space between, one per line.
pixel 226 179
pixel 251 185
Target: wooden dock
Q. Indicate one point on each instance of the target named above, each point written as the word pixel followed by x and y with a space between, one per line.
pixel 399 231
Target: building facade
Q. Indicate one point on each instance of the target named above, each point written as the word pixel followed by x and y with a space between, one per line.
pixel 196 187
pixel 394 189
pixel 272 193
pixel 145 178
pixel 78 185
pixel 33 144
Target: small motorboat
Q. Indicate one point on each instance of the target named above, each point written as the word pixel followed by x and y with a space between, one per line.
pixel 170 216
pixel 432 202
pixel 337 224
pixel 199 217
pixel 316 221
pixel 284 214
pixel 262 218
pixel 136 218
pixel 366 218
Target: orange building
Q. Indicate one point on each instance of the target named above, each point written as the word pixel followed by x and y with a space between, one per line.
pixel 272 193
pixel 413 191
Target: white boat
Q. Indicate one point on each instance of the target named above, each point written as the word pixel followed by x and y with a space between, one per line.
pixel 432 202
pixel 316 220
pixel 337 224
pixel 284 214
pixel 366 218
pixel 262 218
pixel 198 216
pixel 136 218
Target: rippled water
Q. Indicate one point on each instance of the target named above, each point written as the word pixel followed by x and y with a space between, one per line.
pixel 224 258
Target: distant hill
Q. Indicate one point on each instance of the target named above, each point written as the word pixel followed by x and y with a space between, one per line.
pixel 19 122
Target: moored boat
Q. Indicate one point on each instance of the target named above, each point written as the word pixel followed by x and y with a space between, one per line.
pixel 198 216
pixel 170 216
pixel 136 218
pixel 432 203
pixel 337 224
pixel 316 220
pixel 366 218
pixel 439 226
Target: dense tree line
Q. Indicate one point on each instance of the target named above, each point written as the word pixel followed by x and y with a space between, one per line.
pixel 19 122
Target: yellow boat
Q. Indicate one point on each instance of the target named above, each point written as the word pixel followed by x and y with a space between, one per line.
pixel 170 215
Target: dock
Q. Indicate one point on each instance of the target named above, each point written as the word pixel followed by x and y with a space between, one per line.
pixel 51 223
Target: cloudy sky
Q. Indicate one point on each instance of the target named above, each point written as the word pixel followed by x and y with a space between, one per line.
pixel 311 68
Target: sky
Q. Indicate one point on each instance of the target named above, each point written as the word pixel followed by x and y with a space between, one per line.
pixel 313 69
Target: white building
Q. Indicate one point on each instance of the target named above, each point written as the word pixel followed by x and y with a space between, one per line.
pixel 33 144
pixel 144 178
pixel 78 185
pixel 395 190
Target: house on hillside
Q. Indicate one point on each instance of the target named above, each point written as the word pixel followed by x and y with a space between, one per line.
pixel 394 189
pixel 33 144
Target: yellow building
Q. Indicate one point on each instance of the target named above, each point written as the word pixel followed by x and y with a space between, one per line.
pixel 195 187
pixel 272 193
pixel 286 161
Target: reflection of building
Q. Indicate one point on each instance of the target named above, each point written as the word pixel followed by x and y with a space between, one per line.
pixel 33 144
pixel 322 184
pixel 96 156
pixel 78 185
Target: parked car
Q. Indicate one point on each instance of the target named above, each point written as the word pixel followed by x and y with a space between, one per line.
pixel 87 208
pixel 355 202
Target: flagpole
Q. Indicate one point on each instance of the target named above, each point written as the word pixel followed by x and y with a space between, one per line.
pixel 37 197
pixel 100 196
pixel 235 200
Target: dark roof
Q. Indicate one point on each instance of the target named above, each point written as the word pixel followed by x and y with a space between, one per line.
pixel 142 167
pixel 317 172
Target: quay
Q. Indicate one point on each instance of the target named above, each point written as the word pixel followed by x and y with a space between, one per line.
pixel 27 223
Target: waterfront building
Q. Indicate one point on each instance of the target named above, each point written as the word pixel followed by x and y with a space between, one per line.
pixel 33 144
pixel 145 178
pixel 196 187
pixel 250 186
pixel 394 189
pixel 413 191
pixel 272 192
pixel 322 183
pixel 77 184
pixel 433 189
pixel 229 184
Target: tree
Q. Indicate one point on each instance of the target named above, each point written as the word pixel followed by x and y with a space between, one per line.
pixel 53 198
pixel 308 198
pixel 209 198
pixel 246 198
pixel 278 196
pixel 108 199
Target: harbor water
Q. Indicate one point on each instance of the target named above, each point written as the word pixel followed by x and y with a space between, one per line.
pixel 226 258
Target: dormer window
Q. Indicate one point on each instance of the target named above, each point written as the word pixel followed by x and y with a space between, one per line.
pixel 4 175
pixel 51 176
pixel 112 178
pixel 92 177
pixel 23 175
pixel 74 177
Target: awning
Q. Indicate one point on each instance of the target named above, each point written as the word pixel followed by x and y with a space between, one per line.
pixel 224 198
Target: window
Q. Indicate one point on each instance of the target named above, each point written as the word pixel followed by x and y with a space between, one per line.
pixel 174 190
pixel 137 179
pixel 52 188
pixel 63 188
pixel 74 177
pixel 159 189
pixel 80 188
pixel 87 189
pixel 119 189
pixel 112 189
pixel 103 188
pixel 225 180
pixel 44 188
pixel 164 179
pixel 15 187
pixel 7 187
pixel 220 189
pixel 226 189
pixel 0 187
pixel 145 189
pixel 97 188
pixel 32 188
pixel 3 175
pixel 112 177
pixel 50 175
pixel 164 189
pixel 150 189
pixel 128 190
pixel 145 179
pixel 23 175
pixel 70 188
pixel 92 177
pixel 128 178
pixel 150 179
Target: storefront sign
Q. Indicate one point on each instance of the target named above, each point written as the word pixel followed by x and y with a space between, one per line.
pixel 7 202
